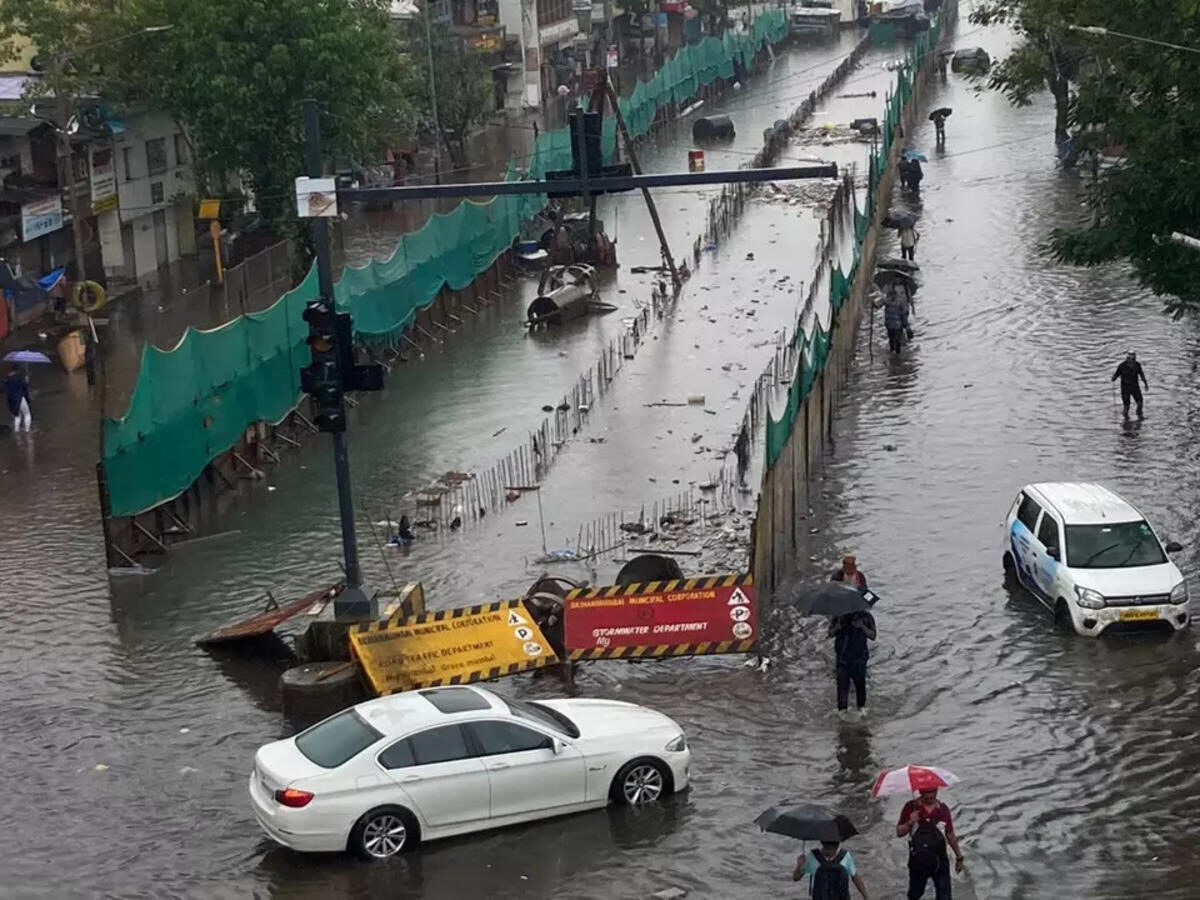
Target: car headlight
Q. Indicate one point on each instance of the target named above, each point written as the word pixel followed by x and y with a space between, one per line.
pixel 1179 593
pixel 1089 599
pixel 677 744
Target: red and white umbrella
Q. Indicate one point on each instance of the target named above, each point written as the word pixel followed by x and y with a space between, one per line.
pixel 912 778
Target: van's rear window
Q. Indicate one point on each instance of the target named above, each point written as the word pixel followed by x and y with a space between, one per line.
pixel 337 740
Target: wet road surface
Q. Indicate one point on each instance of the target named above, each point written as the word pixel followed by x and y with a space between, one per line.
pixel 130 748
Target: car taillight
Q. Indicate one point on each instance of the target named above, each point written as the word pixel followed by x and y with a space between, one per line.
pixel 293 798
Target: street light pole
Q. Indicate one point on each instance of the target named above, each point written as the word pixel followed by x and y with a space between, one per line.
pixel 67 159
pixel 437 125
pixel 64 138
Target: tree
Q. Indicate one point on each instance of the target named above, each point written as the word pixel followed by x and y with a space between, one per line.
pixel 1048 54
pixel 235 72
pixel 463 84
pixel 1141 103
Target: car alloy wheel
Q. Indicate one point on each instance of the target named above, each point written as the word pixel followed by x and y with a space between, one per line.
pixel 384 835
pixel 643 784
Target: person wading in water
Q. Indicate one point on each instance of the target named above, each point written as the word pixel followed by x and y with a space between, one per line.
pixel 1129 372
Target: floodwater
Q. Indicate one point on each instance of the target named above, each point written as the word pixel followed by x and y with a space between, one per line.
pixel 128 748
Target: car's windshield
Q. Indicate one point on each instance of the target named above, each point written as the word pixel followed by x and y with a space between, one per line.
pixel 543 715
pixel 334 741
pixel 1115 546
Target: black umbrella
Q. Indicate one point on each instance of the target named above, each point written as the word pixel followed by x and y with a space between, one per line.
pixel 885 278
pixel 940 113
pixel 808 822
pixel 835 598
pixel 899 219
pixel 904 265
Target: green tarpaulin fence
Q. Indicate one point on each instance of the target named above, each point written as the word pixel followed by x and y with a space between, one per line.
pixel 814 348
pixel 192 403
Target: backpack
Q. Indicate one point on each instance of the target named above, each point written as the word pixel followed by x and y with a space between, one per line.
pixel 926 849
pixel 830 881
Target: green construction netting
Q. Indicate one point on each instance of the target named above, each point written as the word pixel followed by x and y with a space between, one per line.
pixel 814 348
pixel 193 402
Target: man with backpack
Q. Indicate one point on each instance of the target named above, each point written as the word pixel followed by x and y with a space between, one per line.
pixel 831 870
pixel 927 856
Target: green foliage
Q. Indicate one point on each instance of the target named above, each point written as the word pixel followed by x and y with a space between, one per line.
pixel 1142 103
pixel 464 87
pixel 1048 55
pixel 234 74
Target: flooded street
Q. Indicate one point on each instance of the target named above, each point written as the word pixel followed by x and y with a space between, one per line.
pixel 129 748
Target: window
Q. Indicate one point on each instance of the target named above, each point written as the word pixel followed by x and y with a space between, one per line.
pixel 456 700
pixel 1048 532
pixel 181 150
pixel 1113 546
pixel 11 163
pixel 334 741
pixel 156 156
pixel 397 756
pixel 543 715
pixel 156 192
pixel 551 11
pixel 508 737
pixel 1028 513
pixel 127 159
pixel 444 744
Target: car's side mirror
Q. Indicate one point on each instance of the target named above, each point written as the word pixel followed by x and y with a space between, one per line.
pixel 558 746
pixel 1053 553
pixel 1174 546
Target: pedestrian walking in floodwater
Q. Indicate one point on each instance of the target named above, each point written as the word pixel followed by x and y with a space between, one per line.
pixel 895 315
pixel 927 843
pixel 1129 371
pixel 831 870
pixel 849 572
pixel 909 237
pixel 16 393
pixel 850 636
pixel 939 123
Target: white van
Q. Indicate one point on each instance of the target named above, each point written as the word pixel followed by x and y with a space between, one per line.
pixel 1092 558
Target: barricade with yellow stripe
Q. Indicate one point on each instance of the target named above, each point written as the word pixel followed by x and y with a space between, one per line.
pixel 632 621
pixel 450 646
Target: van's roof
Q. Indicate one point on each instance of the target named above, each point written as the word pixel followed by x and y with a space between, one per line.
pixel 1086 504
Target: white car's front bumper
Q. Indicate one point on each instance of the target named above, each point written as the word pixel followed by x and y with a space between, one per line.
pixel 291 827
pixel 1094 622
pixel 681 767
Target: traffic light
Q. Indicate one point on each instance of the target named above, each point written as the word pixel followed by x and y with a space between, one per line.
pixel 333 371
pixel 321 379
pixel 587 148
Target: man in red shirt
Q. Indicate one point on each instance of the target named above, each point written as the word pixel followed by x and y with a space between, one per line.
pixel 849 572
pixel 927 857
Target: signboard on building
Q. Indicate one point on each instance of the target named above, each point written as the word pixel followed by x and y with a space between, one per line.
pixel 581 6
pixel 450 646
pixel 711 614
pixel 104 180
pixel 41 217
pixel 612 58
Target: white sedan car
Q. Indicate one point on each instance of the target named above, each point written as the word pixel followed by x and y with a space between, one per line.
pixel 382 776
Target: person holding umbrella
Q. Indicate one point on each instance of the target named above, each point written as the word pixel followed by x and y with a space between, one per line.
pixel 919 821
pixel 16 393
pixel 830 868
pixel 851 627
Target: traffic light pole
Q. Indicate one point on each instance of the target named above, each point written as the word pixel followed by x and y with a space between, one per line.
pixel 353 602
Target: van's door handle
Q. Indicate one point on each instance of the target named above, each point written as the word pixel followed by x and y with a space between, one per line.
pixel 495 767
pixel 409 779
